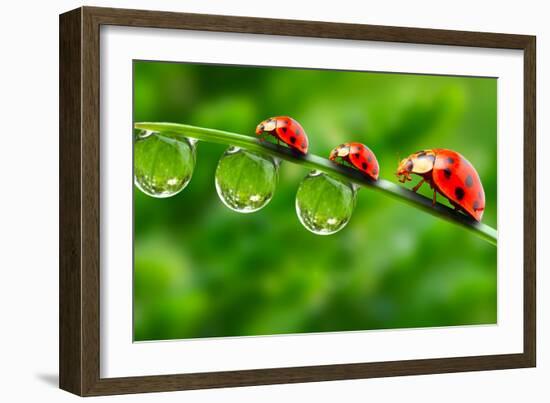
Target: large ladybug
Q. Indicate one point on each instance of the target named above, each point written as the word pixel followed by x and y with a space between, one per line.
pixel 359 156
pixel 448 173
pixel 287 130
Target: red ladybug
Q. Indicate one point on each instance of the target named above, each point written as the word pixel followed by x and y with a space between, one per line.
pixel 448 173
pixel 358 155
pixel 287 130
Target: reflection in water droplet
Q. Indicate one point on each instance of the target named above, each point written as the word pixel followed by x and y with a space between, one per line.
pixel 246 181
pixel 163 166
pixel 324 205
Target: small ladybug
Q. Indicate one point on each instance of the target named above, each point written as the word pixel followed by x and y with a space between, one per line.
pixel 358 155
pixel 448 173
pixel 287 130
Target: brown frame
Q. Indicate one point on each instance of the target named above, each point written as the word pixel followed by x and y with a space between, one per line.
pixel 79 201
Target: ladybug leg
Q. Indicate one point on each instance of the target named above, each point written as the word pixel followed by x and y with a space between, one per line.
pixel 405 178
pixel 434 200
pixel 418 185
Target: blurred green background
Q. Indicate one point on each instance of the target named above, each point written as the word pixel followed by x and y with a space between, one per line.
pixel 202 270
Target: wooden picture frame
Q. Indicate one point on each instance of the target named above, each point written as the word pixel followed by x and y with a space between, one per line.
pixel 79 346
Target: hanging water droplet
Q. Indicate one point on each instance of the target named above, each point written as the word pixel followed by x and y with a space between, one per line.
pixel 324 204
pixel 163 166
pixel 246 181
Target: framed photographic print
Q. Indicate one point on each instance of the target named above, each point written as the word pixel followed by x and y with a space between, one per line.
pixel 249 201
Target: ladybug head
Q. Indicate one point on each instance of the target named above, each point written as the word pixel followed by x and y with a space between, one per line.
pixel 418 163
pixel 267 125
pixel 341 151
pixel 404 169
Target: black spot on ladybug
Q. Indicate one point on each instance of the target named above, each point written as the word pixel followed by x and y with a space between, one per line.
pixel 447 173
pixel 374 172
pixel 357 155
pixel 293 139
pixel 364 165
pixel 450 160
pixel 283 129
pixel 476 205
pixel 469 181
pixel 304 145
pixel 459 193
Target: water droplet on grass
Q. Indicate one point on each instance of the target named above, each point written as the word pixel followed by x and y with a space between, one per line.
pixel 163 166
pixel 246 181
pixel 324 204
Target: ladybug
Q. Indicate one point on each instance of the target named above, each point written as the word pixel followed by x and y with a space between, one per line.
pixel 358 155
pixel 448 173
pixel 287 130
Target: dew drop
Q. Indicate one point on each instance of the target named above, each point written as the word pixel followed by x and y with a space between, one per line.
pixel 246 181
pixel 163 166
pixel 324 204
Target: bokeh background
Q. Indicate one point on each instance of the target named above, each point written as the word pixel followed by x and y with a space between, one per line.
pixel 202 270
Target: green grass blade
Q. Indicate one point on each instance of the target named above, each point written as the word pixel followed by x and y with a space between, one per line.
pixel 313 161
